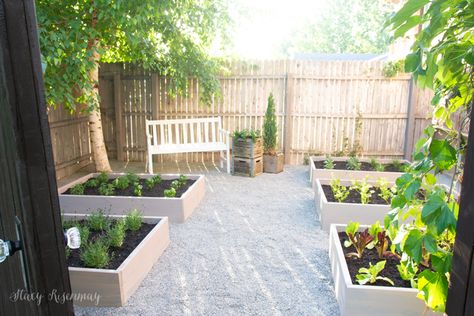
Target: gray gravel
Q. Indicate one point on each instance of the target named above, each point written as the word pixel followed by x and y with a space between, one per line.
pixel 252 247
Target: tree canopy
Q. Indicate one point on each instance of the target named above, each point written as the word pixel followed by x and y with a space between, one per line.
pixel 170 36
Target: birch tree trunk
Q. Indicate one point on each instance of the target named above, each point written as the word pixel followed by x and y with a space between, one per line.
pixel 99 150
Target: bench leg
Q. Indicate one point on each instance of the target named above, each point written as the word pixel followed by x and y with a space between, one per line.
pixel 228 160
pixel 221 155
pixel 150 164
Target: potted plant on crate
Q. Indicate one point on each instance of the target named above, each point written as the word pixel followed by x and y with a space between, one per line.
pixel 272 160
pixel 247 153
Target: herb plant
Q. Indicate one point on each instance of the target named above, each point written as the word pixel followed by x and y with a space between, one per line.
pixel 137 189
pixel 340 192
pixel 328 163
pixel 134 220
pixel 92 183
pixel 245 133
pixel 116 234
pixel 151 182
pixel 97 221
pixel 121 183
pixel 171 192
pixel 103 177
pixel 78 189
pixel 132 177
pixel 95 254
pixel 182 179
pixel 365 190
pixel 376 165
pixel 106 189
pixel 175 184
pixel 353 163
pixel 360 240
pixel 84 231
pixel 371 274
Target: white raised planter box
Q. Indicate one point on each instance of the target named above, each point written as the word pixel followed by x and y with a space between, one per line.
pixel 368 300
pixel 114 287
pixel 315 173
pixel 176 209
pixel 342 213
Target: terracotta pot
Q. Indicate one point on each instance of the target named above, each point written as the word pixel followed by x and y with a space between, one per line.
pixel 273 163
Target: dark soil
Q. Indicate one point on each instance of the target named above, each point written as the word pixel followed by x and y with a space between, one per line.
pixel 157 191
pixel 370 255
pixel 354 196
pixel 117 255
pixel 365 166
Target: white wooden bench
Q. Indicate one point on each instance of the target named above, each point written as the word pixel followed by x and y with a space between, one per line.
pixel 186 136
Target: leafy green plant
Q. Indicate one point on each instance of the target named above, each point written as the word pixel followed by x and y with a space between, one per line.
pixel 134 220
pixel 92 183
pixel 328 163
pixel 386 192
pixel 182 179
pixel 365 190
pixel 151 182
pixel 97 221
pixel 137 189
pixel 95 254
pixel 121 183
pixel 360 240
pixel 78 189
pixel 371 274
pixel 353 163
pixel 132 177
pixel 245 133
pixel 169 193
pixel 102 178
pixel 84 231
pixel 116 233
pixel 392 68
pixel 380 240
pixel 270 128
pixel 340 192
pixel 106 189
pixel 376 165
pixel 175 184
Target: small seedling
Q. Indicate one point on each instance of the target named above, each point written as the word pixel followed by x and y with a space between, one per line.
pixel 353 163
pixel 328 163
pixel 151 182
pixel 95 254
pixel 385 193
pixel 97 221
pixel 398 165
pixel 103 177
pixel 134 220
pixel 364 190
pixel 78 189
pixel 170 193
pixel 175 184
pixel 92 183
pixel 340 192
pixel 371 275
pixel 106 189
pixel 116 234
pixel 122 183
pixel 137 189
pixel 360 240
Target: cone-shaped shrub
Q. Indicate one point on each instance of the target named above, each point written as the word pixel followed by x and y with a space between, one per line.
pixel 270 128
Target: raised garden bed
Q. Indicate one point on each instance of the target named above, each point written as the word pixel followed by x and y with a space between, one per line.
pixel 368 300
pixel 151 203
pixel 317 170
pixel 343 212
pixel 118 281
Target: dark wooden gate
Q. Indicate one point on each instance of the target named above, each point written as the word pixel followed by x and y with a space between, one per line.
pixel 461 291
pixel 28 191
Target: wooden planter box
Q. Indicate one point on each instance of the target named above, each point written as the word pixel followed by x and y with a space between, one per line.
pixel 273 164
pixel 367 300
pixel 341 213
pixel 351 174
pixel 114 287
pixel 247 148
pixel 176 209
pixel 250 167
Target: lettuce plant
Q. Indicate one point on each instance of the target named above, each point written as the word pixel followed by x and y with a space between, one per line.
pixel 371 274
pixel 171 192
pixel 340 192
pixel 360 240
pixel 365 190
pixel 386 192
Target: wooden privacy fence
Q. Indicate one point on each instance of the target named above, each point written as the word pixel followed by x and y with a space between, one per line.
pixel 321 107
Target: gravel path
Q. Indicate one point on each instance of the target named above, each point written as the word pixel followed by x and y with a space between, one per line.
pixel 253 247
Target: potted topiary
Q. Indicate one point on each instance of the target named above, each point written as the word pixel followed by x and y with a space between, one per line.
pixel 272 160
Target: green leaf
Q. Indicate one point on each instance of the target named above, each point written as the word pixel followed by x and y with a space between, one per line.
pixel 430 179
pixel 442 261
pixel 412 188
pixel 398 201
pixel 433 289
pixel 414 244
pixel 430 244
pixel 443 154
pixel 412 62
pixel 436 213
pixel 406 11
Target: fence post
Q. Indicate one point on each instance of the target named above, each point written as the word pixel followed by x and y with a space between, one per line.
pixel 288 130
pixel 410 127
pixel 154 96
pixel 119 136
